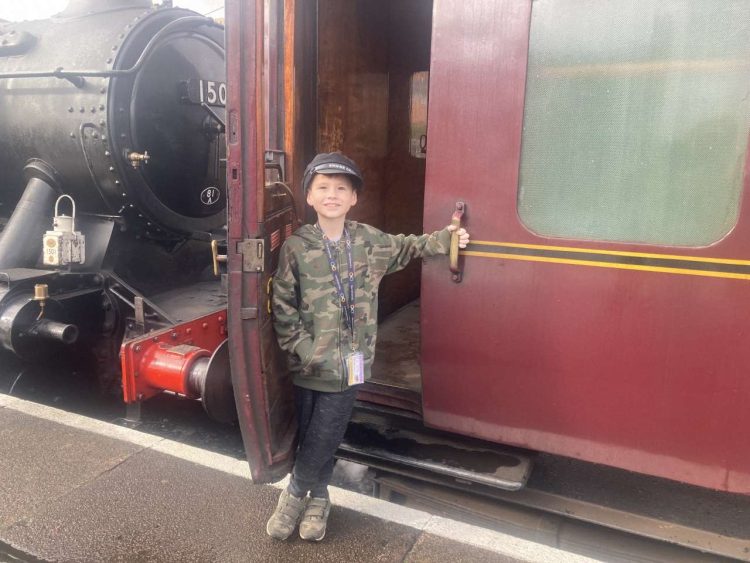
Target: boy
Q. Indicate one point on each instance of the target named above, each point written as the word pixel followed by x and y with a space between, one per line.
pixel 325 307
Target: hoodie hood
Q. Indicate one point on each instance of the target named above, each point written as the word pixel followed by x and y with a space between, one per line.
pixel 313 236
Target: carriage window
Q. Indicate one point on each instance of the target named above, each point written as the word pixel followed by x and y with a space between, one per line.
pixel 636 120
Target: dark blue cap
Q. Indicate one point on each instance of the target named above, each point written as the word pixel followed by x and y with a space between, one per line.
pixel 332 163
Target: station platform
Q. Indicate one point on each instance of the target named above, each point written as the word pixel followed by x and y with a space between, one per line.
pixel 78 489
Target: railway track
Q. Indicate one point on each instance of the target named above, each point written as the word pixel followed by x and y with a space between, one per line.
pixel 611 527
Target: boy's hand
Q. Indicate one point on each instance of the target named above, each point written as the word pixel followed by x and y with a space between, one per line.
pixel 463 236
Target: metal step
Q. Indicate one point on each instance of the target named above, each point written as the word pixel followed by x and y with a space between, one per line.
pixel 375 437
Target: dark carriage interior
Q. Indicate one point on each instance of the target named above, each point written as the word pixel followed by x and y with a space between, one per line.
pixel 368 54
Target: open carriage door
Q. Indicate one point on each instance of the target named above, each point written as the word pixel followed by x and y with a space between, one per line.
pixel 259 218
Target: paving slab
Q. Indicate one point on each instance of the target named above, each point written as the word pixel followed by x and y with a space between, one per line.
pixel 155 507
pixel 42 461
pixel 431 549
pixel 81 490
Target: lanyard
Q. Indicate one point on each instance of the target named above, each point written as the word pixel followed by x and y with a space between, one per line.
pixel 346 304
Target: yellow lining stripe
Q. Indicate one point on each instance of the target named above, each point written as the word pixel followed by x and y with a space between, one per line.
pixel 619 266
pixel 614 252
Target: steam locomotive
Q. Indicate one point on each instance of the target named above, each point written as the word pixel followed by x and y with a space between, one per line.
pixel 113 196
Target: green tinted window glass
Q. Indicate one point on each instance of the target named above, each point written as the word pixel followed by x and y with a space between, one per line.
pixel 636 119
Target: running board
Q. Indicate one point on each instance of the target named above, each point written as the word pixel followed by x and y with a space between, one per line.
pixel 384 440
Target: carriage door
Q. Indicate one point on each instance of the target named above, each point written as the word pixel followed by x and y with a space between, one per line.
pixel 260 216
pixel 476 83
pixel 602 312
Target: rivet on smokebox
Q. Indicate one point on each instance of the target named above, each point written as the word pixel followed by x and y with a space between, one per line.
pixel 204 325
pixel 137 349
pixel 220 319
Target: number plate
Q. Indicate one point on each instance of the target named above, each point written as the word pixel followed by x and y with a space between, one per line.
pixel 210 92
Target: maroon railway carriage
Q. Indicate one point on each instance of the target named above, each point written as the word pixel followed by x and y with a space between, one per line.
pixel 601 151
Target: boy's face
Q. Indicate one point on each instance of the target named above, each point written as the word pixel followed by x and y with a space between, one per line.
pixel 331 195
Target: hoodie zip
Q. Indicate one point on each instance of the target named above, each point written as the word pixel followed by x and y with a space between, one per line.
pixel 341 312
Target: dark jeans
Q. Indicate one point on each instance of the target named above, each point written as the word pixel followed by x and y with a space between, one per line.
pixel 322 419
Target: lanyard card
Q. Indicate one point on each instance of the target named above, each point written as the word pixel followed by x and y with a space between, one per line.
pixel 355 368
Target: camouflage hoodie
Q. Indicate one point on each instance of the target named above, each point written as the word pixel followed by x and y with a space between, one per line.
pixel 308 318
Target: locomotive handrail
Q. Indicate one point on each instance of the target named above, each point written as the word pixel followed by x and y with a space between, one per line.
pixel 75 76
pixel 120 283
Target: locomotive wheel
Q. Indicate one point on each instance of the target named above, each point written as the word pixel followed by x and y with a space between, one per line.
pixel 217 392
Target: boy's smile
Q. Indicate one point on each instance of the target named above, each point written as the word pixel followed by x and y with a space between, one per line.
pixel 331 196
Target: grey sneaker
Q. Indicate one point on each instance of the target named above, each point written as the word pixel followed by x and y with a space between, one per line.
pixel 285 517
pixel 313 524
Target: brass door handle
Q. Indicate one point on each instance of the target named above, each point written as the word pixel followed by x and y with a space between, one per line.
pixel 216 256
pixel 456 222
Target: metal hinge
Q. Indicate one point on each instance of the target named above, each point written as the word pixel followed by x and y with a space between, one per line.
pixel 253 254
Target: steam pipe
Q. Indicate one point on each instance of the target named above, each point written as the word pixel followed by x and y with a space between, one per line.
pixel 21 240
